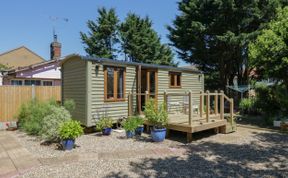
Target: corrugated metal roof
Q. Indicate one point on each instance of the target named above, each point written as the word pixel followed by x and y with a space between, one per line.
pixel 111 61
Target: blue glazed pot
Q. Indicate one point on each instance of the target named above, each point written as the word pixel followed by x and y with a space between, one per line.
pixel 130 134
pixel 158 135
pixel 106 131
pixel 139 130
pixel 68 144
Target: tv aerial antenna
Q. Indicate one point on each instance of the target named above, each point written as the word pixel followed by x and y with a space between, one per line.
pixel 55 19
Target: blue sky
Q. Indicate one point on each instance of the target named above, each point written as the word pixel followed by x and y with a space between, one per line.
pixel 28 22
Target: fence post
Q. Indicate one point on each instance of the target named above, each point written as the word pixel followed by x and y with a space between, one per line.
pixel 190 107
pixel 201 104
pixel 221 104
pixel 216 102
pixel 207 106
pixel 33 92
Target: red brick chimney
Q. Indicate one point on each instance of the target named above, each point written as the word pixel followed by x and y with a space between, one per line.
pixel 55 49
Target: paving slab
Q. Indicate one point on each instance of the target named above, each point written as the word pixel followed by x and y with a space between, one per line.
pixel 14 158
pixel 7 167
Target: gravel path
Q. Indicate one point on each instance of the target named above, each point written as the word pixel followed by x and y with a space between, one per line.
pixel 92 143
pixel 245 153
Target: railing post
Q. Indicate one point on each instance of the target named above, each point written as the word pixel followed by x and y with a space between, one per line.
pixel 231 108
pixel 201 103
pixel 207 106
pixel 216 102
pixel 165 101
pixel 190 107
pixel 221 104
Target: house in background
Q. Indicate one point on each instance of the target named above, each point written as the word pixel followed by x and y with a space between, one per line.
pixel 19 57
pixel 46 73
pixel 28 68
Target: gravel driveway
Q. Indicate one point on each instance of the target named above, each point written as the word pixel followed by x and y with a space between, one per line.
pixel 245 153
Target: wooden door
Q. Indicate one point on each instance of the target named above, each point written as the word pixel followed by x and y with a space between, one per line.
pixel 149 80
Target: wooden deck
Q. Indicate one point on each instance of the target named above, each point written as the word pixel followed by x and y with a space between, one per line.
pixel 180 122
pixel 184 119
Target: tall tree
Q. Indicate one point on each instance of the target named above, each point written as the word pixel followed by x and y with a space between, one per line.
pixel 140 43
pixel 214 35
pixel 102 37
pixel 269 53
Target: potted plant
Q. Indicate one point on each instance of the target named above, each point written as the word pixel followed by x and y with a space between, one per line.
pixel 140 127
pixel 68 132
pixel 105 125
pixel 158 117
pixel 129 126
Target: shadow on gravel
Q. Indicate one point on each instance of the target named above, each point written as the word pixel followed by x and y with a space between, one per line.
pixel 264 158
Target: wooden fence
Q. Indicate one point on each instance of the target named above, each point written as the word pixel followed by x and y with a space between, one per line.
pixel 12 97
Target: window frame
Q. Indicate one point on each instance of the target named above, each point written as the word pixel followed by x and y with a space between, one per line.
pixel 34 80
pixel 18 80
pixel 115 84
pixel 175 79
pixel 42 82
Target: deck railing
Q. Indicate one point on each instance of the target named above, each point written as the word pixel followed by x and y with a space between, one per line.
pixel 204 103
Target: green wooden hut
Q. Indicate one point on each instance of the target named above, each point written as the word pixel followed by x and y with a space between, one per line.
pixel 101 86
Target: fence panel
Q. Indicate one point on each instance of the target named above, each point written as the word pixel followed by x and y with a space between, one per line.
pixel 12 97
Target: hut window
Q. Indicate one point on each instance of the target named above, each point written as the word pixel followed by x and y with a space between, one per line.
pixel 175 79
pixel 114 79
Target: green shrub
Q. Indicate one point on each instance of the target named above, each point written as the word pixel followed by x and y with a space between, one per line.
pixel 281 96
pixel 156 116
pixel 104 122
pixel 139 121
pixel 42 118
pixel 269 119
pixel 69 104
pixel 266 101
pixel 246 105
pixel 52 121
pixel 272 100
pixel 70 130
pixel 130 124
pixel 31 116
pixel 53 102
pixel 150 110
